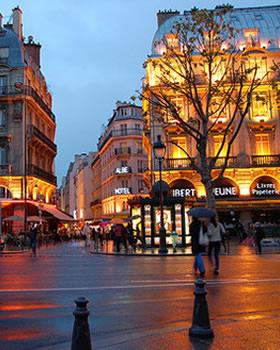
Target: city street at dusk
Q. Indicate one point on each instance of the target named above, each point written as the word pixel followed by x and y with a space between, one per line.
pixel 136 302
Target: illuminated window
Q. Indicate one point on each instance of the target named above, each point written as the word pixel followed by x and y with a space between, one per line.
pixel 260 63
pixel 215 110
pixel 5 193
pixel 178 146
pixel 180 107
pixel 260 108
pixel 217 142
pixel 252 37
pixel 262 144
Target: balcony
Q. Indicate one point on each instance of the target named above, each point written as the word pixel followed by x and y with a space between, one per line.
pixel 177 163
pixel 122 151
pixel 35 132
pixel 119 133
pixel 231 162
pixel 10 90
pixel 33 170
pixel 269 160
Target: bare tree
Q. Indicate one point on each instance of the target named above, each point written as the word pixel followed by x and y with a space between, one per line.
pixel 202 63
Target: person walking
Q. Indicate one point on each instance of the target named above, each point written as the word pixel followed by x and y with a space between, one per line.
pixel 195 227
pixel 259 235
pixel 120 236
pixel 33 238
pixel 215 232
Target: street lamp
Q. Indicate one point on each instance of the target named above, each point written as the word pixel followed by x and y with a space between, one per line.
pixel 159 152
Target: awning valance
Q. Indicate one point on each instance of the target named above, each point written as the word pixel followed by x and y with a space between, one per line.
pixel 58 214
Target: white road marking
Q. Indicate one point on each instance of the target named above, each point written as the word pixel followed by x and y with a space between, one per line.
pixel 153 284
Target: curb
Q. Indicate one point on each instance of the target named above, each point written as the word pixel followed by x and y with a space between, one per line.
pixel 12 252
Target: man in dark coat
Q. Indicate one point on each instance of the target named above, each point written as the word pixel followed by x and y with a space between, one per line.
pixel 197 249
pixel 259 235
pixel 33 238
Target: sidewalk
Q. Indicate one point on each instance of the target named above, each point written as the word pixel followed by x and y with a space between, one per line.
pixel 233 248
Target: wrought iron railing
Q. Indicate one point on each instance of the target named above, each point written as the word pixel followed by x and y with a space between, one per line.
pixel 177 163
pixel 122 150
pixel 231 162
pixel 37 133
pixel 36 171
pixel 11 90
pixel 119 133
pixel 267 160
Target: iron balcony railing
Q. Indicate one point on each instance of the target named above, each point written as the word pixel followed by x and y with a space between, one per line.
pixel 177 163
pixel 11 90
pixel 185 163
pixel 268 160
pixel 42 137
pixel 119 133
pixel 231 162
pixel 33 170
pixel 122 150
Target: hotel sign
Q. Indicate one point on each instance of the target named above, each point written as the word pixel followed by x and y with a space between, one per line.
pixel 122 170
pixel 265 187
pixel 122 190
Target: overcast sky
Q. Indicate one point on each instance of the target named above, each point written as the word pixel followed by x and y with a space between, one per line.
pixel 92 56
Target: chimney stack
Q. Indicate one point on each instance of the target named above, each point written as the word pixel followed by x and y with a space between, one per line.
pixel 33 50
pixel 163 16
pixel 17 22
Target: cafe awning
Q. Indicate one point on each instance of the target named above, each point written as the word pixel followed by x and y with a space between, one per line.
pixel 60 215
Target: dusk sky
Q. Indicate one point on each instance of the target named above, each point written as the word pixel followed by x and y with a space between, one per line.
pixel 92 56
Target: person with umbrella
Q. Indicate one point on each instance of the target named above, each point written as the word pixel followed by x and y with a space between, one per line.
pixel 195 227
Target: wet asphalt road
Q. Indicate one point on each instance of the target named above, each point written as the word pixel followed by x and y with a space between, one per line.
pixel 136 302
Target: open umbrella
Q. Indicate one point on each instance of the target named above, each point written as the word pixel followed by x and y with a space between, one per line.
pixel 14 218
pixel 116 221
pixel 201 212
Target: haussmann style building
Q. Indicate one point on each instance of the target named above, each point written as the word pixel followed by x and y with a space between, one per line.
pixel 250 188
pixel 27 130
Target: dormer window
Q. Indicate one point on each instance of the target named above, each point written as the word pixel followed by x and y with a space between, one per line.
pixel 252 37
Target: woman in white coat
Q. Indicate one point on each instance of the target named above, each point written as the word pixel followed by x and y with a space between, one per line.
pixel 215 232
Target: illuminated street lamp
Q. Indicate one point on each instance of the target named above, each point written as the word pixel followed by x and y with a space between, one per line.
pixel 159 152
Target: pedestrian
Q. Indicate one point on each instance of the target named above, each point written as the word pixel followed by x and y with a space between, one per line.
pixel 33 238
pixel 130 236
pixel 120 236
pixel 259 235
pixel 86 234
pixel 195 227
pixel 215 232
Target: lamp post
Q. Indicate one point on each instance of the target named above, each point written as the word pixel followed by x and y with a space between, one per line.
pixel 159 149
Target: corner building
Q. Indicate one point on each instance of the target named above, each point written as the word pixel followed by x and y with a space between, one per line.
pixel 250 189
pixel 27 125
pixel 119 163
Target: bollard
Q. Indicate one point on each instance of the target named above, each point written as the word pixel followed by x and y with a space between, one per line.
pixel 200 323
pixel 81 333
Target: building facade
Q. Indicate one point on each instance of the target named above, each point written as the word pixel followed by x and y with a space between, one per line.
pixel 250 187
pixel 119 163
pixel 27 123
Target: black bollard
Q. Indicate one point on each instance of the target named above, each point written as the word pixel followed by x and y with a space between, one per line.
pixel 200 323
pixel 81 333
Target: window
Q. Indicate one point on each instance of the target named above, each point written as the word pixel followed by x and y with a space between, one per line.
pixel 124 163
pixel 139 148
pixel 3 118
pixel 262 144
pixel 138 129
pixel 123 129
pixel 140 166
pixel 260 107
pixel 124 183
pixel 252 37
pixel 3 155
pixel 3 84
pixel 178 146
pixel 4 54
pixel 217 140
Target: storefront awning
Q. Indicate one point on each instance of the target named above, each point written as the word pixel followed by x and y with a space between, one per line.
pixel 58 214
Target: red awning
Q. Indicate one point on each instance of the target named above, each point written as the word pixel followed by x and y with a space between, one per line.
pixel 58 214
